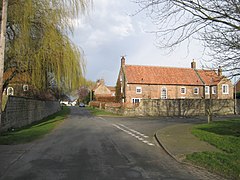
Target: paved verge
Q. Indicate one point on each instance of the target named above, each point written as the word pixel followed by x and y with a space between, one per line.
pixel 178 141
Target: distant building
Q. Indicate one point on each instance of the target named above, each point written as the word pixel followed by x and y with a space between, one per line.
pixel 154 82
pixel 101 92
pixel 20 85
pixel 237 86
pixel 237 89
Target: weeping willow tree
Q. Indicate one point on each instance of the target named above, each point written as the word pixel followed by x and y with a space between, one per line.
pixel 37 42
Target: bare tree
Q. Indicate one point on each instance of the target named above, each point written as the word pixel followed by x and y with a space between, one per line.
pixel 214 22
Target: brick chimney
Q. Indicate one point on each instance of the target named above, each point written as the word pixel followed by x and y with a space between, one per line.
pixel 100 82
pixel 220 71
pixel 193 64
pixel 123 61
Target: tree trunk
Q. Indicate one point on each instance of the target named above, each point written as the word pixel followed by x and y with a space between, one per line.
pixel 210 112
pixel 2 50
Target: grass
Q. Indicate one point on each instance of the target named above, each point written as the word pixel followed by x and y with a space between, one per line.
pixel 34 131
pixel 225 135
pixel 100 112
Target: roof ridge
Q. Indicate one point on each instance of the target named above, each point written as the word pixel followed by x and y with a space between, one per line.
pixel 213 70
pixel 158 66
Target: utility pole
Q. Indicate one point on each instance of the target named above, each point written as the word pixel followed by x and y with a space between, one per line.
pixel 2 50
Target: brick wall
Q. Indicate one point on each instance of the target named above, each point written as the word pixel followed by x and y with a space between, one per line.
pixel 238 86
pixel 154 92
pixel 174 92
pixel 178 107
pixel 20 112
pixel 231 90
pixel 105 98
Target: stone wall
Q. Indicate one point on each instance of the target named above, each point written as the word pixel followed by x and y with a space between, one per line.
pixel 178 107
pixel 20 112
pixel 238 106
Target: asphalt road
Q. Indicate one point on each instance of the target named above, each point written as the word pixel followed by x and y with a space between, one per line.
pixel 85 147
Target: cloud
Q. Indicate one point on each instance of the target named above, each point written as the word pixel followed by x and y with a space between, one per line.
pixel 109 32
pixel 102 27
pixel 123 26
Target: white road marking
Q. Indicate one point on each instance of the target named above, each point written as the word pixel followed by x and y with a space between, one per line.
pixel 102 118
pixel 134 131
pixel 131 132
pixel 150 144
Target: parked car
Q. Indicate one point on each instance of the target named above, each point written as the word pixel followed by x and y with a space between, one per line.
pixel 81 105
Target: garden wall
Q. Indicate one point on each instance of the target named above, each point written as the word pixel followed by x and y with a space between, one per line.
pixel 176 107
pixel 20 111
pixel 238 106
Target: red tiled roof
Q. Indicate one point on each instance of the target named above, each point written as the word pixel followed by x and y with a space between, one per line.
pixel 161 75
pixel 210 77
pixel 19 78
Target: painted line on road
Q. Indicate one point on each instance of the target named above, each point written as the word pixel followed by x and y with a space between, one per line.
pixel 134 131
pixel 102 119
pixel 127 130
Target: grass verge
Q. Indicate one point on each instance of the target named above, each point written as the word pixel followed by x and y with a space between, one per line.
pixel 100 112
pixel 34 131
pixel 225 135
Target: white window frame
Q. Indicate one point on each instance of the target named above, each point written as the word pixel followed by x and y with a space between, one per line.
pixel 10 93
pixel 207 90
pixel 227 89
pixel 196 88
pixel 25 87
pixel 214 89
pixel 185 90
pixel 134 100
pixel 138 88
pixel 165 96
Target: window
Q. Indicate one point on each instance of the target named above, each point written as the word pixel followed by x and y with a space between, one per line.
pixel 183 90
pixel 138 90
pixel 214 90
pixel 10 91
pixel 164 93
pixel 25 87
pixel 136 100
pixel 206 89
pixel 225 89
pixel 196 90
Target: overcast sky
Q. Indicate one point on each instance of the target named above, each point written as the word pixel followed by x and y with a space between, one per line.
pixel 110 31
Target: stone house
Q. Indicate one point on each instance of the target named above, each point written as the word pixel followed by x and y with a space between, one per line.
pixel 101 92
pixel 138 82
